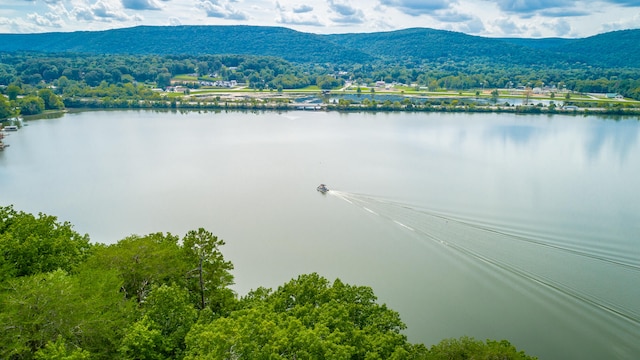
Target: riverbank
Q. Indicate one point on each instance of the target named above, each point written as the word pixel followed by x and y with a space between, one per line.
pixel 353 102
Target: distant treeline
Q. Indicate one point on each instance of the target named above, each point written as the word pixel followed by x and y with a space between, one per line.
pixel 34 82
pixel 161 296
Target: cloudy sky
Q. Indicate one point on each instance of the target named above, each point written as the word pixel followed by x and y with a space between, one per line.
pixel 494 18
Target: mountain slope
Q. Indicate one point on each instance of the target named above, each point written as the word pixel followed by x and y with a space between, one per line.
pixel 251 40
pixel 437 45
pixel 614 49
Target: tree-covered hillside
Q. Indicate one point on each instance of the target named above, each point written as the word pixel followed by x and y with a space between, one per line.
pixel 429 45
pixel 160 296
pixel 617 49
pixel 417 45
pixel 246 40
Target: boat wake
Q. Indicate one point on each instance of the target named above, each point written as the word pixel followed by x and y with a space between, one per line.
pixel 592 278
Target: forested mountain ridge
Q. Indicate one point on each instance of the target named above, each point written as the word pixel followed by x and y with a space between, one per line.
pixel 420 44
pixel 616 49
pixel 170 40
pixel 415 44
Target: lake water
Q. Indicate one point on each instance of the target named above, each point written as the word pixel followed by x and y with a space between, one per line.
pixel 500 226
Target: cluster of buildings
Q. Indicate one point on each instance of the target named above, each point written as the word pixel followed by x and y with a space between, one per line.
pixel 219 83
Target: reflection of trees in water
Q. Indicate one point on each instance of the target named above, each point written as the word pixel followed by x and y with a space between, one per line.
pixel 619 136
pixel 608 135
pixel 516 134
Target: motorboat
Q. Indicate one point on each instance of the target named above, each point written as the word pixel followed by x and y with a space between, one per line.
pixel 322 188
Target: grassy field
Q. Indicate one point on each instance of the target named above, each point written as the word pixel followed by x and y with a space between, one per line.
pixel 184 78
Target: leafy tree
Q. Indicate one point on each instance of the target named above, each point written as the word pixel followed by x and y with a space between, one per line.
pixel 305 318
pixel 210 276
pixel 31 245
pixel 94 77
pixel 13 91
pixel 469 348
pixel 142 262
pixel 163 80
pixel 31 105
pixel 326 82
pixel 50 72
pixel 86 310
pixel 142 342
pixel 51 100
pixel 169 310
pixel 5 108
pixel 60 350
pixel 494 96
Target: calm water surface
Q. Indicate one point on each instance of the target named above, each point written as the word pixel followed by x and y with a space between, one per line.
pixel 525 228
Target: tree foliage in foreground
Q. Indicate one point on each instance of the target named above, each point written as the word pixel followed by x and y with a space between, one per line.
pixel 83 311
pixel 307 318
pixel 162 297
pixel 37 244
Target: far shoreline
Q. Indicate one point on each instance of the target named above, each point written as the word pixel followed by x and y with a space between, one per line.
pixel 412 101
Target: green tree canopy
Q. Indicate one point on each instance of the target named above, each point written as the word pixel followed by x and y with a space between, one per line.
pixel 142 262
pixel 31 105
pixel 5 108
pixel 210 275
pixel 470 348
pixel 31 245
pixel 86 310
pixel 306 318
pixel 13 91
pixel 51 100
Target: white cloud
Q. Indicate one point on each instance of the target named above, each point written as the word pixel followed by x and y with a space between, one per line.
pixel 509 28
pixel 530 6
pixel 417 7
pixel 48 20
pixel 474 26
pixel 560 27
pixel 291 19
pixel 83 13
pixel 452 16
pixel 108 11
pixel 544 18
pixel 140 5
pixel 621 24
pixel 299 9
pixel 221 9
pixel 345 13
pixel 299 15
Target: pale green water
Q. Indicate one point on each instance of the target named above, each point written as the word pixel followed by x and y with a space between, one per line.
pixel 493 226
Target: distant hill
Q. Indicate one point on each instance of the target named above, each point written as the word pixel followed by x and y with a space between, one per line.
pixel 439 45
pixel 613 49
pixel 251 40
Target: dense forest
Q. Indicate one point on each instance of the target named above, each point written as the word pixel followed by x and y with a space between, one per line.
pixel 35 82
pixel 161 296
pixel 121 68
pixel 420 45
